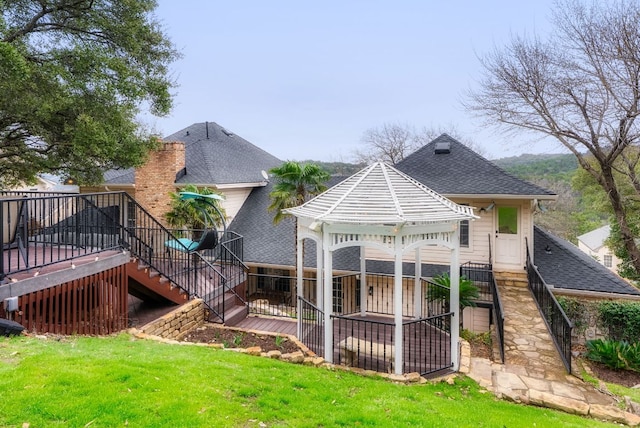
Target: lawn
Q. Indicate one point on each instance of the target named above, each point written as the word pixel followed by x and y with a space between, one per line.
pixel 122 381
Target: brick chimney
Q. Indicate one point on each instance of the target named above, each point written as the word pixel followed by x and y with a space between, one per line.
pixel 156 179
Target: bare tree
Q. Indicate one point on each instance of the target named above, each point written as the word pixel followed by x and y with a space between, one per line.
pixel 581 86
pixel 392 142
pixel 389 143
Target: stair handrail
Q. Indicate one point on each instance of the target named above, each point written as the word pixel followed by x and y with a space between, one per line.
pixel 558 323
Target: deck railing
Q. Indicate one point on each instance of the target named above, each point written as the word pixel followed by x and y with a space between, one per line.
pixel 369 344
pixel 275 295
pixel 557 322
pixel 366 344
pixel 482 275
pixel 312 321
pixel 427 344
pixel 61 227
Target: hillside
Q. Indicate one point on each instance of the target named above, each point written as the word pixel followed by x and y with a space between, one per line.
pixel 549 166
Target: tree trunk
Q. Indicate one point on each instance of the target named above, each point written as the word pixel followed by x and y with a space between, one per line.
pixel 609 185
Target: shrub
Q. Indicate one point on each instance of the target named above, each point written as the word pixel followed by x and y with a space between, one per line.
pixel 577 313
pixel 621 320
pixel 617 355
pixel 441 289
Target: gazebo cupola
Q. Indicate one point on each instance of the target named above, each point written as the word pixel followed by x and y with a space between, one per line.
pixel 380 207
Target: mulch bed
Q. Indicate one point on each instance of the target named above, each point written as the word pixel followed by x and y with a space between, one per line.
pixel 626 378
pixel 211 333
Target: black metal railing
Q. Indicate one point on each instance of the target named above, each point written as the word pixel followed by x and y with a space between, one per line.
pixel 557 322
pixel 436 298
pixel 366 344
pixel 48 229
pixel 275 295
pixel 481 274
pixel 369 344
pixel 498 315
pixel 427 344
pixel 312 321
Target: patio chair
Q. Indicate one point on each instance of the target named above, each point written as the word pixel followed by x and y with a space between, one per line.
pixel 208 241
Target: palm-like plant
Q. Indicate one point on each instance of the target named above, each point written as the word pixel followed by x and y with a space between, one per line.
pixel 189 213
pixel 294 185
pixel 441 291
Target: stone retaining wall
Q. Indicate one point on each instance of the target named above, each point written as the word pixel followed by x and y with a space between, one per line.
pixel 178 322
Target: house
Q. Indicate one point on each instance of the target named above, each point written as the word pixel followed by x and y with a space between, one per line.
pixel 204 154
pixel 496 244
pixel 594 244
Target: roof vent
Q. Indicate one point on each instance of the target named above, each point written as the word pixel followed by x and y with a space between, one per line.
pixel 227 133
pixel 443 148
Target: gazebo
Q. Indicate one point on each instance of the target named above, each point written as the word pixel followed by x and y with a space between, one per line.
pixel 381 208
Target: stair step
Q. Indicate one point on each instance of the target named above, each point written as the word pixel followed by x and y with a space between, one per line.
pixel 235 314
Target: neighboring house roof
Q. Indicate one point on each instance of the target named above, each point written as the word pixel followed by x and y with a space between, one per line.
pixel 450 168
pixel 380 194
pixel 594 240
pixel 213 156
pixel 564 266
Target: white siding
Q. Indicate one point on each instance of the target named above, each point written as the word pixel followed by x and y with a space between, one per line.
pixel 476 320
pixel 234 198
pixel 481 235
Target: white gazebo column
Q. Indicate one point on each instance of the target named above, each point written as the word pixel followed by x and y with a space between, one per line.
pixel 417 286
pixel 454 299
pixel 319 275
pixel 363 281
pixel 397 305
pixel 328 297
pixel 299 284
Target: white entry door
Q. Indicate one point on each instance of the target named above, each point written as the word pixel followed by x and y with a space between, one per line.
pixel 508 246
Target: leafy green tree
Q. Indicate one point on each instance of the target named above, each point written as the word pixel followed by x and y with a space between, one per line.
pixel 595 197
pixel 189 213
pixel 73 75
pixel 581 88
pixel 295 184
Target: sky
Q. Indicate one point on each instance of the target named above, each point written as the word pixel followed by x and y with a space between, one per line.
pixel 304 80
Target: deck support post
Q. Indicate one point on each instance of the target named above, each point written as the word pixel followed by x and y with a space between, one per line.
pixel 328 297
pixel 417 286
pixel 363 282
pixel 454 299
pixel 398 364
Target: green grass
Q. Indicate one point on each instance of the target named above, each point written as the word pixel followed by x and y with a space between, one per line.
pixel 121 381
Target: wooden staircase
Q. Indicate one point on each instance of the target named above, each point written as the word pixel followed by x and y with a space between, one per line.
pixel 146 283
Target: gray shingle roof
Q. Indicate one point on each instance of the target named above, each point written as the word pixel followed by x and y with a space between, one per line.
pixel 463 172
pixel 563 265
pixel 266 243
pixel 272 244
pixel 213 156
pixel 595 239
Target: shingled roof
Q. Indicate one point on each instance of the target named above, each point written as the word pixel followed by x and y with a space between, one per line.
pixel 273 244
pixel 380 194
pixel 213 156
pixel 563 265
pixel 450 168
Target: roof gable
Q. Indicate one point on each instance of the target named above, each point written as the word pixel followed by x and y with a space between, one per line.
pixel 461 171
pixel 213 156
pixel 595 239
